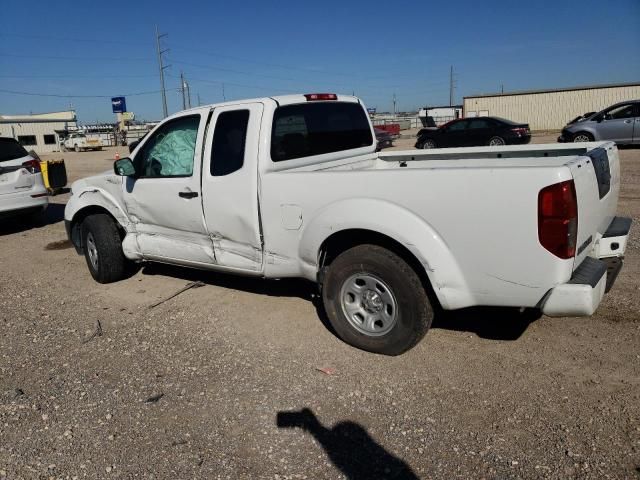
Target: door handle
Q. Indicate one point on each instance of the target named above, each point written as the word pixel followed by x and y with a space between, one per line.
pixel 188 194
pixel 627 121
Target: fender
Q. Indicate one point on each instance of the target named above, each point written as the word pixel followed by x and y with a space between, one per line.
pixel 96 195
pixel 396 222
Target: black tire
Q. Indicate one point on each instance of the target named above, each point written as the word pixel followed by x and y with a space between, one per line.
pixel 428 144
pixel 76 148
pixel 582 137
pixel 100 230
pixel 414 311
pixel 496 141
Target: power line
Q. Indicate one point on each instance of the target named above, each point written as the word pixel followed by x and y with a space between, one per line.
pixel 60 57
pixel 65 39
pixel 33 94
pixel 76 76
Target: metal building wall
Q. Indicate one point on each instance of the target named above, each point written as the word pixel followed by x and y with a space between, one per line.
pixel 549 110
pixel 39 129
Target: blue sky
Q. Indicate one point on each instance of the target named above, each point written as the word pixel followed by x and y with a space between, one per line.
pixel 374 49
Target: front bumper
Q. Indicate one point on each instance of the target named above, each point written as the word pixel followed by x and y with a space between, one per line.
pixel 582 294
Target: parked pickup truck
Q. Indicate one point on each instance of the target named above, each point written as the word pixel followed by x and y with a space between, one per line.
pixel 80 142
pixel 291 186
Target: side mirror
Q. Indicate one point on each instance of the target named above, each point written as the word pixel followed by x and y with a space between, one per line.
pixel 124 167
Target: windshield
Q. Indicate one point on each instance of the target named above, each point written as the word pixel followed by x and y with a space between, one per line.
pixel 10 149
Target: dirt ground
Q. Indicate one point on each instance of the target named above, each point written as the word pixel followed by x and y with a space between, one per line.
pixel 224 381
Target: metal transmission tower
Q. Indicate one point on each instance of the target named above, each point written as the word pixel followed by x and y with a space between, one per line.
pixel 162 68
pixel 452 86
pixel 182 90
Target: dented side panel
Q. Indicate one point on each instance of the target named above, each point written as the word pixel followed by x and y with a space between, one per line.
pixel 230 201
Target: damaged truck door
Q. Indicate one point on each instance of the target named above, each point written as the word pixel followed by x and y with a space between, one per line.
pixel 230 186
pixel 163 198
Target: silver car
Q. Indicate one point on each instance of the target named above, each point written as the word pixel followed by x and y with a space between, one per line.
pixel 620 123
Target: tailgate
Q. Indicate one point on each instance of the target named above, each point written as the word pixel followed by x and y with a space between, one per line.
pixel 93 142
pixel 597 179
pixel 14 179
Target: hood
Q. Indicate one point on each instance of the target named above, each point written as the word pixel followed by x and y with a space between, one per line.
pixel 96 181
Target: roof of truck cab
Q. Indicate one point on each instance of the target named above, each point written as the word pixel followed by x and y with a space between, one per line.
pixel 279 99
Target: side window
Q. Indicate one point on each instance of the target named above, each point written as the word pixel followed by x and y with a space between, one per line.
pixel 457 126
pixel 229 138
pixel 623 111
pixel 475 124
pixel 170 150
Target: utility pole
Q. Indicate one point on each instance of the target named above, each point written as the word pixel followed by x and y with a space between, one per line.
pixel 199 102
pixel 162 67
pixel 188 95
pixel 223 96
pixel 182 89
pixel 502 88
pixel 451 86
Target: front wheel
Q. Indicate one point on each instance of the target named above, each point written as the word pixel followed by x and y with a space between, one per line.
pixel 582 137
pixel 497 142
pixel 428 144
pixel 375 301
pixel 103 249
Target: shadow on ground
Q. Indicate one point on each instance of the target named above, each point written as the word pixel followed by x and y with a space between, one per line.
pixel 495 323
pixel 24 222
pixel 349 447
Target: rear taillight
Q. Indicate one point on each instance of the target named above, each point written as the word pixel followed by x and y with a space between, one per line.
pixel 32 165
pixel 520 131
pixel 320 96
pixel 558 219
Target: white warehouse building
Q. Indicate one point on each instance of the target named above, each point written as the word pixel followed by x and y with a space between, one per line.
pixel 549 109
pixel 39 132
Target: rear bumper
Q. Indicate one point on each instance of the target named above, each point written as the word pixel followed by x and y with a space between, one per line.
pixel 14 203
pixel 593 278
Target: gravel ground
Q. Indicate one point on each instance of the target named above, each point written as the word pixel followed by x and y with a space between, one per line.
pixel 241 379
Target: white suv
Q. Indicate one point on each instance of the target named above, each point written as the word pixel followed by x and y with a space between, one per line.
pixel 22 190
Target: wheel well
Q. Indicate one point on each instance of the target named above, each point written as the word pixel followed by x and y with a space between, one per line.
pixel 584 132
pixel 341 241
pixel 79 217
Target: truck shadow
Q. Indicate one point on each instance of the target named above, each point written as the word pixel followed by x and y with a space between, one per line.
pixel 494 323
pixel 21 223
pixel 349 447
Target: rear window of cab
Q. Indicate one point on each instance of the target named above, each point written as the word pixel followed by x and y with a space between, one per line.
pixel 308 129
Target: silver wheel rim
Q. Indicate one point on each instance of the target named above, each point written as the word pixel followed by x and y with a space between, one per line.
pixel 369 304
pixel 496 142
pixel 92 250
pixel 428 144
pixel 581 138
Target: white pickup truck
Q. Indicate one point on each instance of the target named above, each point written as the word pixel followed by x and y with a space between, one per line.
pixel 80 142
pixel 291 186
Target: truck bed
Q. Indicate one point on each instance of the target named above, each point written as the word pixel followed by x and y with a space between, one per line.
pixel 516 156
pixel 479 204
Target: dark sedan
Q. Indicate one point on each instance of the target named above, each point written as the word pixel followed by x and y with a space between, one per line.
pixel 473 132
pixel 384 139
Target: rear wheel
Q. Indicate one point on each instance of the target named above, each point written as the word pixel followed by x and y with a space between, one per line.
pixel 428 144
pixel 76 148
pixel 103 249
pixel 375 300
pixel 582 137
pixel 496 142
